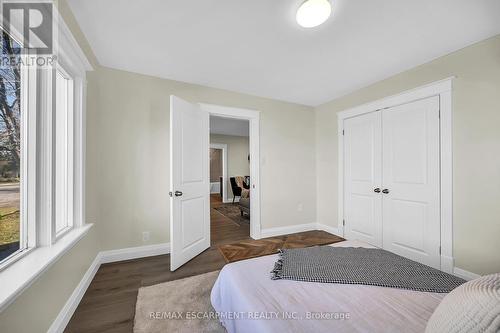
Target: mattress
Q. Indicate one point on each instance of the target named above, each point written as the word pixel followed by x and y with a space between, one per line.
pixel 247 300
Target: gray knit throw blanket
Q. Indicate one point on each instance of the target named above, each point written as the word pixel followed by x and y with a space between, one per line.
pixel 349 265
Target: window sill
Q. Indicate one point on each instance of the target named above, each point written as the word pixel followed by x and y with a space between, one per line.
pixel 22 273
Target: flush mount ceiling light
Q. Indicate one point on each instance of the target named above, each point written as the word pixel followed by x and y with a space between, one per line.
pixel 313 13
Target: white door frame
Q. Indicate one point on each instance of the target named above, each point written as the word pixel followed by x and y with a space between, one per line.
pixel 254 119
pixel 442 89
pixel 223 147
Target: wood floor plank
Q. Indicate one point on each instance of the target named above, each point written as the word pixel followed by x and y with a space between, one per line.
pixel 109 303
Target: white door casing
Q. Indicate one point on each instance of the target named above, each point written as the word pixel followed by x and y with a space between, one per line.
pixel 443 90
pixel 392 179
pixel 362 181
pixel 411 210
pixel 189 181
pixel 253 117
pixel 225 185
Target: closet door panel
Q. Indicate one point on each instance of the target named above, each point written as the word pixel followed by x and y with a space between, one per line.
pixel 362 174
pixel 410 146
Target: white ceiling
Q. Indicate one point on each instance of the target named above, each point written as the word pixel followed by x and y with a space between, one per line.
pixel 256 47
pixel 229 126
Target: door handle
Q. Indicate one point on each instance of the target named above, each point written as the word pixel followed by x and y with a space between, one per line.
pixel 377 190
pixel 177 193
pixel 385 191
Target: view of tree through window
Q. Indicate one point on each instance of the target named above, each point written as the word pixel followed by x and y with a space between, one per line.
pixel 10 148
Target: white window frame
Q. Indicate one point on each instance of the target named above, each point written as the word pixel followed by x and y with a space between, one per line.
pixel 69 160
pixel 73 64
pixel 44 246
pixel 27 208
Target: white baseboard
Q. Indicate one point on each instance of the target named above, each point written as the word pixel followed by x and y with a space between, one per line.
pixel 103 257
pixel 447 263
pixel 214 188
pixel 62 319
pixel 329 229
pixel 278 231
pixel 134 252
pixel 466 275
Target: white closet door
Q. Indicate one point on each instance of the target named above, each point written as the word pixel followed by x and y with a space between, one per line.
pixel 363 154
pixel 411 212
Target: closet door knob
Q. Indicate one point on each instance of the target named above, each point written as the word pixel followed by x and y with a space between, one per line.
pixel 377 190
pixel 385 191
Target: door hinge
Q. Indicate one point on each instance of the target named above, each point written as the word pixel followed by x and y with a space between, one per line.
pixel 343 223
pixel 439 114
pixel 343 132
pixel 439 250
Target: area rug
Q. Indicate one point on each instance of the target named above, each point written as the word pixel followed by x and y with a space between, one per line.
pixel 252 248
pixel 177 306
pixel 232 212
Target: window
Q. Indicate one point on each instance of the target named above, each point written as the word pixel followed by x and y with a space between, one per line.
pixel 13 233
pixel 42 145
pixel 63 153
pixel 41 148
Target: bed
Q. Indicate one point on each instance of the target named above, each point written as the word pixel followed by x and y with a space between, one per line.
pixel 249 301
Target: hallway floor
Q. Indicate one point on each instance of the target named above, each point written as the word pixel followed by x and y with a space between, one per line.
pixel 109 303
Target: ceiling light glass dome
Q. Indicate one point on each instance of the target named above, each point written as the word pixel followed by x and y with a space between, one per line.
pixel 313 13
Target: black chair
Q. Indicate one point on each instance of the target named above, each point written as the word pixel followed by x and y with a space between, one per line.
pixel 236 189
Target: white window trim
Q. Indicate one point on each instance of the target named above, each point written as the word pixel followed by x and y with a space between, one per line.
pixel 74 64
pixel 23 269
pixel 28 165
pixel 56 235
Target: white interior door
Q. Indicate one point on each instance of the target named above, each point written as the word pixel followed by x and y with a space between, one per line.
pixel 190 183
pixel 362 178
pixel 411 210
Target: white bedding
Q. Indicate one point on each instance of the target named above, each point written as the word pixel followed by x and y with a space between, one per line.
pixel 245 291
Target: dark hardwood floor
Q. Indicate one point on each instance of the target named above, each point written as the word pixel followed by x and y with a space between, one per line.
pixel 222 229
pixel 109 303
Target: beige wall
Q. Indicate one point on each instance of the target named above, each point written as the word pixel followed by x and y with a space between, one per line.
pixel 237 156
pixel 37 307
pixel 476 147
pixel 131 157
